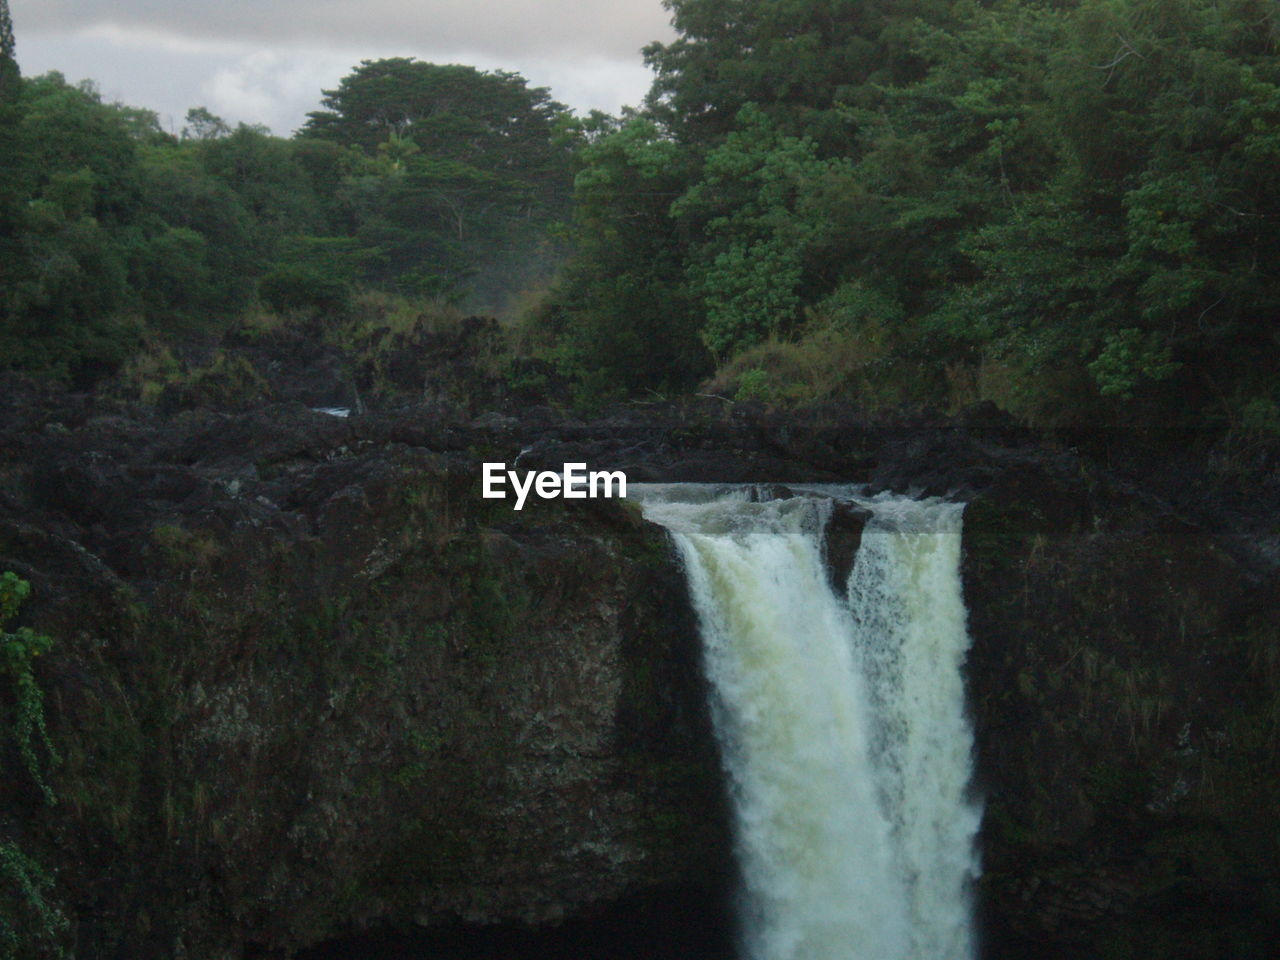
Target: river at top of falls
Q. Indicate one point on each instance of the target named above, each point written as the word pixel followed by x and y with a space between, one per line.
pixel 840 718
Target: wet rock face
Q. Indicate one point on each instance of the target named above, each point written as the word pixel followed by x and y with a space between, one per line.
pixel 840 545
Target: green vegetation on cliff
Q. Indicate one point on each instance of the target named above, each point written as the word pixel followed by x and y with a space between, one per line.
pixel 27 917
pixel 17 651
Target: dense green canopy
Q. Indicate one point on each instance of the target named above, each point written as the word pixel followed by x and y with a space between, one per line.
pixel 423 179
pixel 1068 207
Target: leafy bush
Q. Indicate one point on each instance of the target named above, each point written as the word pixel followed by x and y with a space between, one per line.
pixel 289 289
pixel 18 650
pixel 27 918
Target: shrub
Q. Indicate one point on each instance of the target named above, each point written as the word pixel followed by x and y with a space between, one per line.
pixel 289 289
pixel 18 650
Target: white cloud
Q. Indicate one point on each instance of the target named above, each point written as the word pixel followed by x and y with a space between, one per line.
pixel 614 29
pixel 278 84
pixel 276 88
pixel 145 39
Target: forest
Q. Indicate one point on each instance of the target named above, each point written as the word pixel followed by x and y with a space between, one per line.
pixel 1066 208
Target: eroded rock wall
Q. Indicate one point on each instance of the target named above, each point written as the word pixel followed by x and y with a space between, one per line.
pixel 1123 683
pixel 305 680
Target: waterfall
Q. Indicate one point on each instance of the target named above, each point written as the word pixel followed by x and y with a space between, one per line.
pixel 840 719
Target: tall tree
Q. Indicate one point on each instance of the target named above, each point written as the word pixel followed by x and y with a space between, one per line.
pixel 491 120
pixel 8 62
pixel 461 170
pixel 794 59
pixel 621 310
pixel 10 89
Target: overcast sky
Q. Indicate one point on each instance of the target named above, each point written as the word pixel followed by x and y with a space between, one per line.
pixel 266 61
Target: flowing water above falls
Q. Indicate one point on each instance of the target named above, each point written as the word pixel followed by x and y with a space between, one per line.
pixel 840 717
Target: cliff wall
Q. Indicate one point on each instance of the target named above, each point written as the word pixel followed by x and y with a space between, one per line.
pixel 305 682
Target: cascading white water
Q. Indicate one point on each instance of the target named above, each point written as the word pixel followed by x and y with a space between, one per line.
pixel 907 605
pixel 841 720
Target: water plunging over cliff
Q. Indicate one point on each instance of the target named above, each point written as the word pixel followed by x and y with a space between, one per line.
pixel 840 718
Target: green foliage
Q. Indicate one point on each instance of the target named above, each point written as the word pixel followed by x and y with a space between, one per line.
pixel 154 376
pixel 1127 357
pixel 1060 207
pixel 749 271
pixel 421 179
pixel 1136 257
pixel 1067 208
pixel 795 59
pixel 753 384
pixel 10 87
pixel 293 287
pixel 451 112
pixel 204 125
pixel 229 380
pixel 822 362
pixel 63 303
pixel 620 316
pixel 27 918
pixel 1260 417
pixel 17 651
pixel 455 173
pixel 6 31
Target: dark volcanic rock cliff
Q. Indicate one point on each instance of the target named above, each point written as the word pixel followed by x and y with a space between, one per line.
pixel 1123 683
pixel 305 681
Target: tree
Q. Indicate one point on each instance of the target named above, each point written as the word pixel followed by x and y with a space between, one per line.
pixel 623 314
pixel 755 229
pixel 459 171
pixel 1081 194
pixel 7 57
pixel 1137 258
pixel 203 125
pixel 11 165
pixel 64 305
pixel 9 76
pixel 491 120
pixel 795 59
